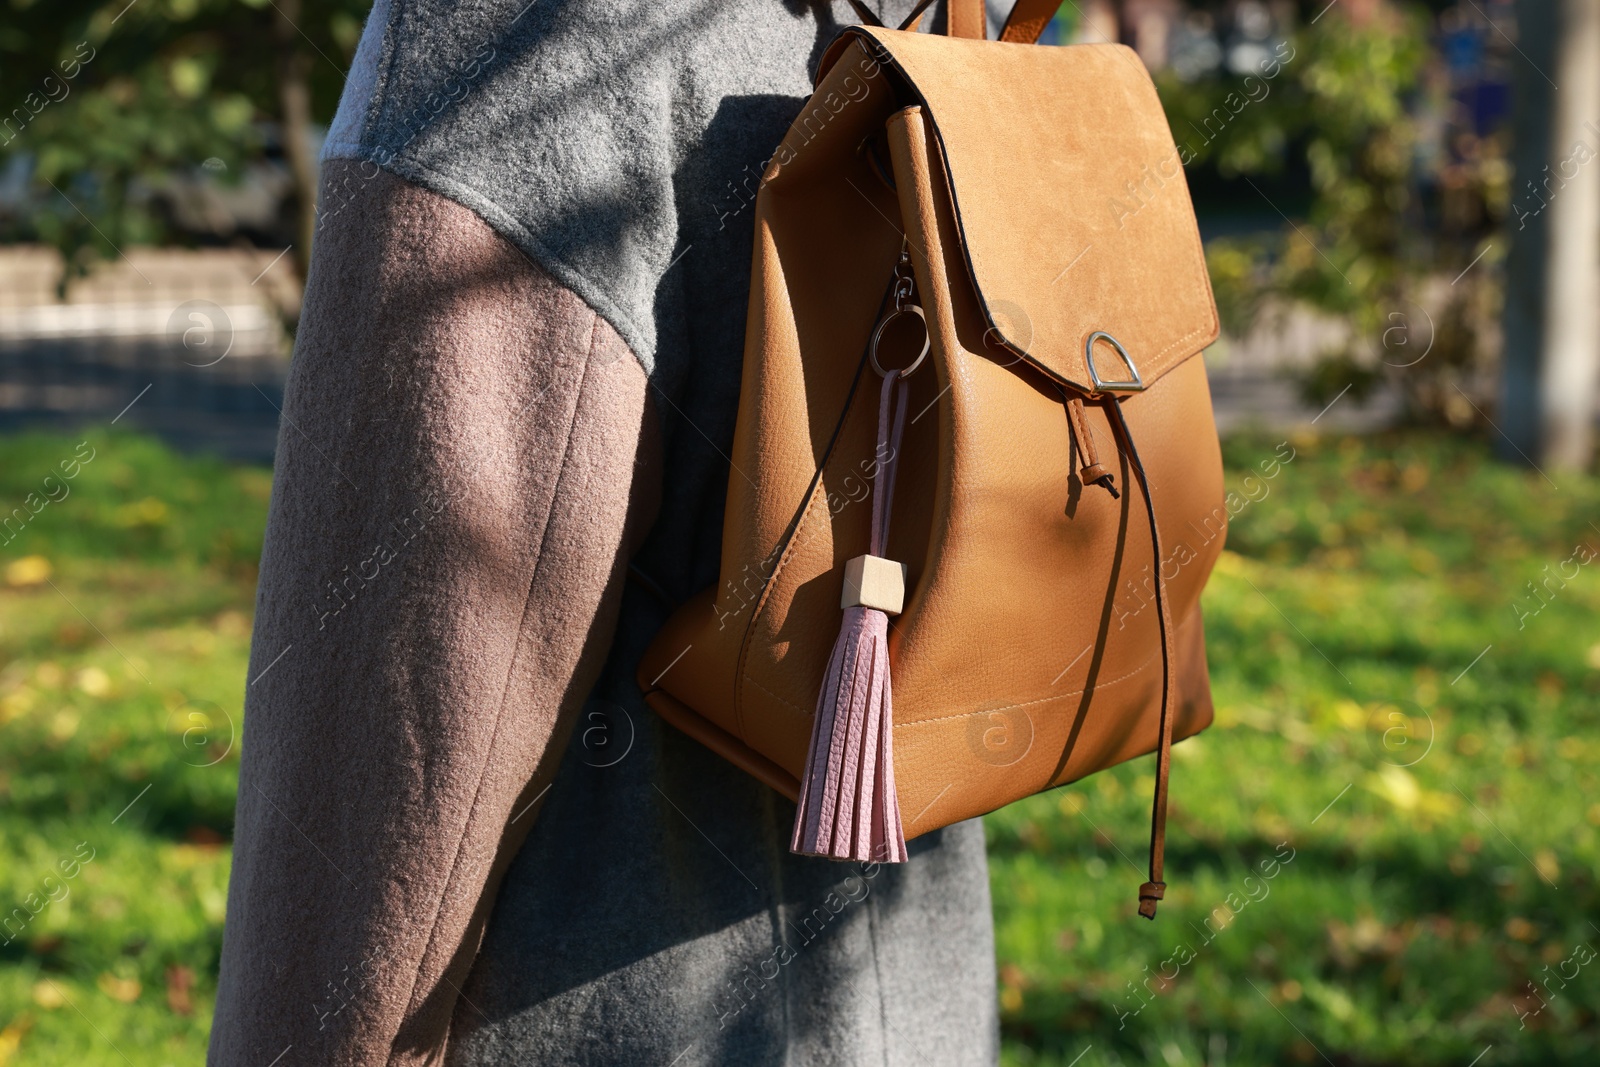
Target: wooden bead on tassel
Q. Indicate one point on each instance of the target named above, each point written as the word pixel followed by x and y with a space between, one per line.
pixel 874 582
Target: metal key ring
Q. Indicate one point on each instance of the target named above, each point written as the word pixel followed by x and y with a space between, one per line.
pixel 872 349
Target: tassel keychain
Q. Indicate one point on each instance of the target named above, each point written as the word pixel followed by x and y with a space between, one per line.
pixel 848 809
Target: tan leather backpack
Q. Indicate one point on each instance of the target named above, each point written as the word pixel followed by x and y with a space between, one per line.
pixel 1052 470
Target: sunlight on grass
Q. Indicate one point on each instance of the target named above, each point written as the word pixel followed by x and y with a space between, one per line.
pixel 1426 808
pixel 1384 851
pixel 124 630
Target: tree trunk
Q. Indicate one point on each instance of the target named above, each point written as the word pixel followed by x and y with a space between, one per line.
pixel 1552 315
pixel 294 96
pixel 1572 302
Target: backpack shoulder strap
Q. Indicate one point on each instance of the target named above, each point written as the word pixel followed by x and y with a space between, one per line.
pixel 965 18
pixel 1027 21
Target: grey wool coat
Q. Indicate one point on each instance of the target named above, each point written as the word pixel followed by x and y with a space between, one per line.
pixel 461 836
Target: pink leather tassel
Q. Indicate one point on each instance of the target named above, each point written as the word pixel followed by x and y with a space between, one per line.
pixel 848 808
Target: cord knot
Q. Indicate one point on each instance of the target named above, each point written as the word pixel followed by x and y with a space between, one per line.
pixel 1149 893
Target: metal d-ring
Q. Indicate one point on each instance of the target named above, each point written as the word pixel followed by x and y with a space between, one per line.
pixel 1100 385
pixel 872 349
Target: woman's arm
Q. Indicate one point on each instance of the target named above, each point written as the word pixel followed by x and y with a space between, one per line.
pixel 453 498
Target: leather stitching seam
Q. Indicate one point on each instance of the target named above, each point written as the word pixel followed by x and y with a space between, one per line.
pixel 1041 700
pixel 766 593
pixel 786 703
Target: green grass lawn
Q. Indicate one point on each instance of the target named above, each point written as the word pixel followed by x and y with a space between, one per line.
pixel 121 682
pixel 1429 829
pixel 1427 815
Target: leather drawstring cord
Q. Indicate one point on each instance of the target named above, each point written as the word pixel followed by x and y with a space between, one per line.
pixel 1093 472
pixel 1155 889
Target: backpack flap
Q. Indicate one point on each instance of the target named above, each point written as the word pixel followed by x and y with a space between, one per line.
pixel 1073 213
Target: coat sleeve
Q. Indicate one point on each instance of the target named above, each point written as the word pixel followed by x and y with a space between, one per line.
pixel 454 495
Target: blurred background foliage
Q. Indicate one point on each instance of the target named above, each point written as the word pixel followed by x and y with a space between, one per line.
pixel 124 108
pixel 1401 183
pixel 198 121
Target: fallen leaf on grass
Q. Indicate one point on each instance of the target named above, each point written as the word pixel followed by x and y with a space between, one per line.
pixel 124 989
pixel 1401 789
pixel 179 981
pixel 28 571
pixel 1366 939
pixel 11 1037
pixel 204 837
pixel 94 681
pixel 48 995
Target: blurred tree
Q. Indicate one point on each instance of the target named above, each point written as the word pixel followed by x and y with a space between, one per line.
pixel 105 102
pixel 1388 112
pixel 1552 313
pixel 1336 92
